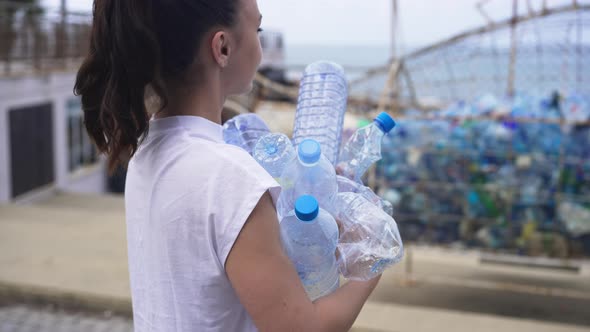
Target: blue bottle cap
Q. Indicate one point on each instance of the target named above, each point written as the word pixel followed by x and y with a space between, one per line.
pixel 385 122
pixel 309 151
pixel 270 149
pixel 306 208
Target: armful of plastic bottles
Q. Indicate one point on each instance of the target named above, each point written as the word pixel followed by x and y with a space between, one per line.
pixel 369 239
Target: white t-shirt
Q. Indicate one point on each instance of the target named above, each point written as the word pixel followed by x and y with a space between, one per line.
pixel 187 197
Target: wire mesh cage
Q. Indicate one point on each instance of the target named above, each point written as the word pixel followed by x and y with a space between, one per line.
pixel 538 52
pixel 493 144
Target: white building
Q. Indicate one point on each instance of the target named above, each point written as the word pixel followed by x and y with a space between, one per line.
pixel 44 147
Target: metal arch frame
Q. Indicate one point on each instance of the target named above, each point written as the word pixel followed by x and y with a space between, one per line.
pixel 491 27
pixel 498 26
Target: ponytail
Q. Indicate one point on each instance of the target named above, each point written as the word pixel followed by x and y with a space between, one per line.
pixel 123 60
pixel 134 45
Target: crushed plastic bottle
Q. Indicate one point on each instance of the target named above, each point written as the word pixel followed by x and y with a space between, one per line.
pixel 244 131
pixel 347 185
pixel 364 148
pixel 369 238
pixel 274 152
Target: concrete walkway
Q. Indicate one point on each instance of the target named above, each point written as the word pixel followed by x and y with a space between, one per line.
pixel 71 250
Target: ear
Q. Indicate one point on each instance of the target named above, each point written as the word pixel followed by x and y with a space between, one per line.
pixel 221 48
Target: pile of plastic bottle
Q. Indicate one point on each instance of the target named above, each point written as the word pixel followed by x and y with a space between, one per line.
pixel 331 224
pixel 503 174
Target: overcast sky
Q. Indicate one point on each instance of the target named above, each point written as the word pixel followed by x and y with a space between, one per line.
pixel 367 22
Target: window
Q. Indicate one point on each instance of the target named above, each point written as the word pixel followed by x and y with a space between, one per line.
pixel 82 151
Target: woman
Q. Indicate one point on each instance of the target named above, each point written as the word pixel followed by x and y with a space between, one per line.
pixel 203 238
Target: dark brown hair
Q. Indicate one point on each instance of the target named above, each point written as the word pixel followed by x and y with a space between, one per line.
pixel 135 44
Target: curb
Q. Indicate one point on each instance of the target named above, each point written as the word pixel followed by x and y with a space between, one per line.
pixel 13 293
pixel 569 265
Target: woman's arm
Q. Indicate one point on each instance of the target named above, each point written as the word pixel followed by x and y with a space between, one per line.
pixel 269 288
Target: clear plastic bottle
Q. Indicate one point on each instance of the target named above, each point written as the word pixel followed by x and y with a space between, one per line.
pixel 323 95
pixel 274 152
pixel 244 131
pixel 347 185
pixel 308 174
pixel 364 148
pixel 369 239
pixel 309 238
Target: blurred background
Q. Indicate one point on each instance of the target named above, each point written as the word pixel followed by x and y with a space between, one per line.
pixel 488 170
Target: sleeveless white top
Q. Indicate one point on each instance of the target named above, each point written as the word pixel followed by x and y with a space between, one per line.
pixel 187 196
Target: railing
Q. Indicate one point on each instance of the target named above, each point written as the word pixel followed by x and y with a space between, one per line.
pixel 36 41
